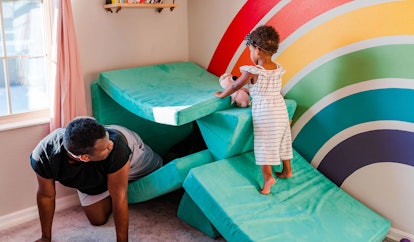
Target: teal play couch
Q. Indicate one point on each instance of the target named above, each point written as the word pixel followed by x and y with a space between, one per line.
pixel 163 103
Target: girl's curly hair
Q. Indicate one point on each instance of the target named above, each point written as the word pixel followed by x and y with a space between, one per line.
pixel 265 37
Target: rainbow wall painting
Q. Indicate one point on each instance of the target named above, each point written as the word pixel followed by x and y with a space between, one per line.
pixel 350 67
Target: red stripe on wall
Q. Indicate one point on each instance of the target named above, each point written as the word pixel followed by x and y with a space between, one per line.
pixel 245 20
pixel 297 13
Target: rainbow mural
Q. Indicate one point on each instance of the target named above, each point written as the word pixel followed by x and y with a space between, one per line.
pixel 350 68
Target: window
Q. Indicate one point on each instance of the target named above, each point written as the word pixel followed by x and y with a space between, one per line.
pixel 24 58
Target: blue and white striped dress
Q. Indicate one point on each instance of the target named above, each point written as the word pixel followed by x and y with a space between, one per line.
pixel 271 126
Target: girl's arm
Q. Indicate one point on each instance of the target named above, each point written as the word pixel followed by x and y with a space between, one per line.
pixel 237 84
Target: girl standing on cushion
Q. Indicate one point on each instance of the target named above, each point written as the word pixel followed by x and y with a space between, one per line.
pixel 271 126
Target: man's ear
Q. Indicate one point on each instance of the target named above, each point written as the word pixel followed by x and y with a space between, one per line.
pixel 84 158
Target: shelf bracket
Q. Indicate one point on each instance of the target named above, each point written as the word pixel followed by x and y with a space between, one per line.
pixel 110 9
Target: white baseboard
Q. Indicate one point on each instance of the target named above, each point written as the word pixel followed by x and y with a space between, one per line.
pixel 28 214
pixel 397 235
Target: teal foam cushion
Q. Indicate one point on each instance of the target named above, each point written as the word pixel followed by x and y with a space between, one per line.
pixel 167 178
pixel 160 137
pixel 174 93
pixel 306 207
pixel 230 132
pixel 190 213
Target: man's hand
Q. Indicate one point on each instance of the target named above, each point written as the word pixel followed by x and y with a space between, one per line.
pixel 46 197
pixel 43 240
pixel 118 187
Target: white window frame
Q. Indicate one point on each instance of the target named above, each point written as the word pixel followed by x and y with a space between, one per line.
pixel 30 118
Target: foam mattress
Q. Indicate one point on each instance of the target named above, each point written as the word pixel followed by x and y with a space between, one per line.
pixel 306 207
pixel 173 93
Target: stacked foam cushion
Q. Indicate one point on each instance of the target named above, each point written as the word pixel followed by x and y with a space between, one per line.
pixel 160 103
pixel 160 137
pixel 230 132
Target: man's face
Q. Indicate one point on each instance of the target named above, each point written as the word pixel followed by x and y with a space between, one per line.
pixel 102 148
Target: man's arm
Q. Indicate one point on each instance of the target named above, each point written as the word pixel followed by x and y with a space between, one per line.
pixel 118 187
pixel 46 195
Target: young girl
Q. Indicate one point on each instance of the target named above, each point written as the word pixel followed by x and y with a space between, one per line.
pixel 271 126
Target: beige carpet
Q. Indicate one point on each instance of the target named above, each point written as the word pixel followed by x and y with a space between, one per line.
pixel 154 220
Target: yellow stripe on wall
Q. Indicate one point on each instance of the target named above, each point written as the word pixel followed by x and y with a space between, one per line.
pixel 387 19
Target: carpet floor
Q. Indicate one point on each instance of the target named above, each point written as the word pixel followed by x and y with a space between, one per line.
pixel 154 220
pixel 151 221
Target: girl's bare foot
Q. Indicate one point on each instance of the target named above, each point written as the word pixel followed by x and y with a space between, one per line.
pixel 284 174
pixel 267 185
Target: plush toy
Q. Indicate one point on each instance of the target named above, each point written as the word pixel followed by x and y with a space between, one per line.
pixel 240 97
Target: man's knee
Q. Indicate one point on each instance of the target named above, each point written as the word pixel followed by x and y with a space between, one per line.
pixel 98 221
pixel 98 213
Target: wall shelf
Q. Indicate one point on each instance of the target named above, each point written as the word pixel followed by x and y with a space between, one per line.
pixel 158 6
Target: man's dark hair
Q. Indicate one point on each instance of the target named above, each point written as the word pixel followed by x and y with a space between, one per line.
pixel 81 134
pixel 266 38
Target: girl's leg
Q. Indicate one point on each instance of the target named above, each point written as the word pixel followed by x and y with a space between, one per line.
pixel 287 170
pixel 268 178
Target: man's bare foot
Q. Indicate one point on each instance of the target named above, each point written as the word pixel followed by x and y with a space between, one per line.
pixel 283 174
pixel 267 185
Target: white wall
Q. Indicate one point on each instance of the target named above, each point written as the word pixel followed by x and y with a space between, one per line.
pixel 207 23
pixel 131 37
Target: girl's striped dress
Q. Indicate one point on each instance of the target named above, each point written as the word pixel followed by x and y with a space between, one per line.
pixel 271 126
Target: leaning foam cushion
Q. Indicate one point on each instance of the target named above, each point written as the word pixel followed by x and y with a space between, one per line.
pixel 190 213
pixel 167 178
pixel 306 207
pixel 174 93
pixel 230 132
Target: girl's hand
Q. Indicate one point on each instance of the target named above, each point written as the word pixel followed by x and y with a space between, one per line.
pixel 218 94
